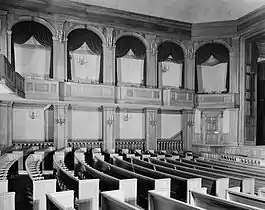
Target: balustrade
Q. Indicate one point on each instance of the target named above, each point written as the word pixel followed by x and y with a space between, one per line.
pixel 130 144
pixel 170 145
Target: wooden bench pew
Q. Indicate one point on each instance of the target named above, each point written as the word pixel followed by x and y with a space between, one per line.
pixel 107 182
pixel 4 150
pixel 215 186
pixel 246 183
pixel 38 186
pixel 60 200
pixel 8 166
pixel 47 157
pixel 158 200
pixel 203 200
pixel 22 154
pixel 259 178
pixel 114 200
pixel 232 182
pixel 179 186
pixel 144 184
pixel 234 194
pixel 7 200
pixel 232 165
pixel 86 199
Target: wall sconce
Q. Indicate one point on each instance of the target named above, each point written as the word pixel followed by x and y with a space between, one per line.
pixel 164 67
pixel 191 122
pixel 126 115
pixel 110 120
pixel 33 115
pixel 81 60
pixel 60 121
pixel 152 120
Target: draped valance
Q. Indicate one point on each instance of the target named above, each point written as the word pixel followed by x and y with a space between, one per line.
pixel 127 43
pixel 203 54
pixel 76 39
pixel 167 49
pixel 23 31
pixel 124 45
pixel 219 51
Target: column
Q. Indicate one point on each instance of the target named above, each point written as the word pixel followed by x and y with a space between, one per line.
pixel 151 129
pixel 9 34
pixel 241 124
pixel 109 58
pixel 109 115
pixel 3 32
pixel 59 56
pixel 151 62
pixel 60 125
pixel 234 65
pixel 188 118
pixel 189 73
pixel 6 123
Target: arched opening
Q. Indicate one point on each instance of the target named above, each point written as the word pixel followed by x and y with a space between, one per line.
pixel 130 61
pixel 32 50
pixel 170 60
pixel 212 69
pixel 84 57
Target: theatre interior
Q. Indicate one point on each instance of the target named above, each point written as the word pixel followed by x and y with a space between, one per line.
pixel 132 105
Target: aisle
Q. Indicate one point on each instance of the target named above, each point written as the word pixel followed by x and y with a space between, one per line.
pixel 22 186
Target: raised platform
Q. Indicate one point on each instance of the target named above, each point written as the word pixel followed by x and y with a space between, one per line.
pixel 249 151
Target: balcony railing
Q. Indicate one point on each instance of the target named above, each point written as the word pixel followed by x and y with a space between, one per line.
pixel 9 78
pixel 217 100
pixel 129 144
pixel 36 88
pixel 178 98
pixel 91 92
pixel 170 145
pixel 138 95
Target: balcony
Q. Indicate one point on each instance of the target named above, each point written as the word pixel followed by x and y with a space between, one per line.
pixel 178 98
pixel 10 81
pixel 41 89
pixel 217 100
pixel 138 95
pixel 71 91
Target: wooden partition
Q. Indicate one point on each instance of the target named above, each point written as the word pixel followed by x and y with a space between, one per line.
pixel 7 200
pixel 113 200
pixel 60 200
pixel 86 191
pixel 158 200
pixel 39 186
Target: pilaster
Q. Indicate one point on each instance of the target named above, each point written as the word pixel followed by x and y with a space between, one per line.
pixel 188 131
pixel 60 125
pixel 151 128
pixel 109 115
pixel 109 58
pixel 59 54
pixel 3 32
pixel 189 67
pixel 241 124
pixel 234 65
pixel 151 62
pixel 6 122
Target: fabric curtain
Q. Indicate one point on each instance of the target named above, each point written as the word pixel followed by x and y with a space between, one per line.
pixel 219 52
pixel 22 32
pixel 76 39
pixel 167 49
pixel 124 45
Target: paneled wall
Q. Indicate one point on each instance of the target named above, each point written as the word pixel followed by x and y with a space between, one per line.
pixel 171 124
pixel 84 124
pixel 28 123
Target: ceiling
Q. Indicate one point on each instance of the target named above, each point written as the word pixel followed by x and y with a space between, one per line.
pixel 193 11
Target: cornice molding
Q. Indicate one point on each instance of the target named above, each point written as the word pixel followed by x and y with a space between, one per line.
pixel 61 9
